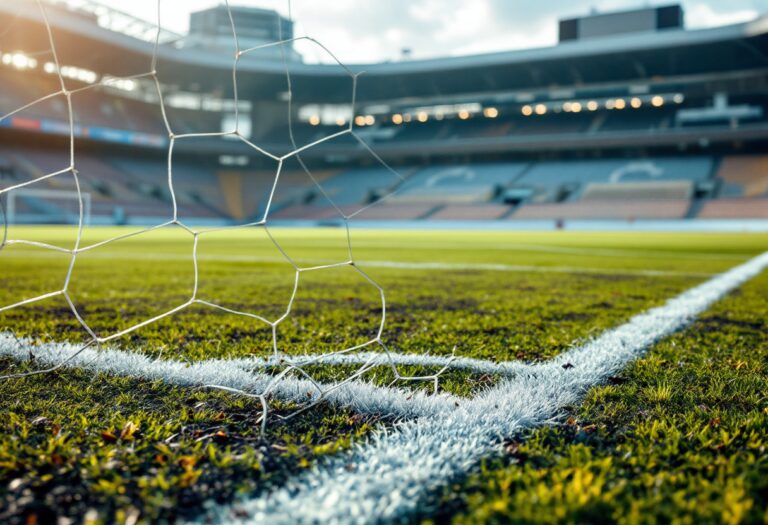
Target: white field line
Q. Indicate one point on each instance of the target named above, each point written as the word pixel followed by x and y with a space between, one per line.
pixel 478 366
pixel 388 478
pixel 400 265
pixel 361 397
pixel 552 248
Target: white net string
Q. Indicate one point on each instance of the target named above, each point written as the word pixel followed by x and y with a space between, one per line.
pixel 289 365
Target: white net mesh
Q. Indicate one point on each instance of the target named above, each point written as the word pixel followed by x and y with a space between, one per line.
pixel 280 360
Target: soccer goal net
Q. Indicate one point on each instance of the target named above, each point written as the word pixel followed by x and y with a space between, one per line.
pixel 94 290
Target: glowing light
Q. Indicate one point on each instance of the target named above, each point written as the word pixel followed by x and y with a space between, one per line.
pixel 576 107
pixel 567 107
pixel 491 112
pixel 397 119
pixel 621 103
pixel 657 101
pixel 636 103
pixel 19 61
pixel 610 104
pixel 360 120
pixel 370 120
pixel 527 111
pixel 341 121
pixel 463 114
pixel 679 98
pixel 314 120
pixel 592 105
pixel 407 118
pixel 541 109
pixel 422 117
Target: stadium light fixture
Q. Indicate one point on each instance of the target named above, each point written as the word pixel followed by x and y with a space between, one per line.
pixel 679 98
pixel 527 111
pixel 463 114
pixel 636 103
pixel 123 84
pixel 541 109
pixel 359 120
pixel 341 121
pixel 491 112
pixel 407 118
pixel 610 104
pixel 567 106
pixel 397 118
pixel 576 107
pixel 592 105
pixel 19 61
pixel 657 101
pixel 620 103
pixel 314 120
pixel 422 116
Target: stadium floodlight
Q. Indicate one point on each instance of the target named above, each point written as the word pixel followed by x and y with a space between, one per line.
pixel 280 360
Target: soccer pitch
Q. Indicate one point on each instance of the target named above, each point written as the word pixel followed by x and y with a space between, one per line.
pixel 679 434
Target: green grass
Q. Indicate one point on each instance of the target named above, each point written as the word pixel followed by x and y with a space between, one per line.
pixel 55 458
pixel 679 437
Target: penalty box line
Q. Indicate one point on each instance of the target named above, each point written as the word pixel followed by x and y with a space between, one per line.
pixel 390 477
pixel 358 396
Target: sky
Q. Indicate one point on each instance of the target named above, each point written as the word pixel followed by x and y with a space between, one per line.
pixel 360 31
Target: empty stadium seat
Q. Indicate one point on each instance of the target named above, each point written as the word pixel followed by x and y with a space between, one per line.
pixel 745 176
pixel 470 212
pixel 567 180
pixel 458 184
pixel 612 209
pixel 639 190
pixel 735 209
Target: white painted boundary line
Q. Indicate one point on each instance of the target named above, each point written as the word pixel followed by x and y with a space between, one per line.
pixel 360 397
pixel 478 366
pixel 399 265
pixel 388 478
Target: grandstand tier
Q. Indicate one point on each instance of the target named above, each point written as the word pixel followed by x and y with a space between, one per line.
pixel 669 124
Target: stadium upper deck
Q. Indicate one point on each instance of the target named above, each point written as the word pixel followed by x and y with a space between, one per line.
pixel 498 118
pixel 650 57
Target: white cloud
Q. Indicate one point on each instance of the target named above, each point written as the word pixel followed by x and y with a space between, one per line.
pixel 374 30
pixel 703 15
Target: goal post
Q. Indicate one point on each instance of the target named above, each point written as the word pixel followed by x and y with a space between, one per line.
pixel 32 206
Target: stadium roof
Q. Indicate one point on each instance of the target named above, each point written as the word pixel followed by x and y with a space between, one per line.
pixel 631 57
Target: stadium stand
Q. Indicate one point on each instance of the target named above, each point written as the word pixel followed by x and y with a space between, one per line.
pixel 639 190
pixel 625 210
pixel 744 176
pixel 360 186
pixel 568 181
pixel 735 209
pixel 471 212
pixel 670 124
pixel 458 184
